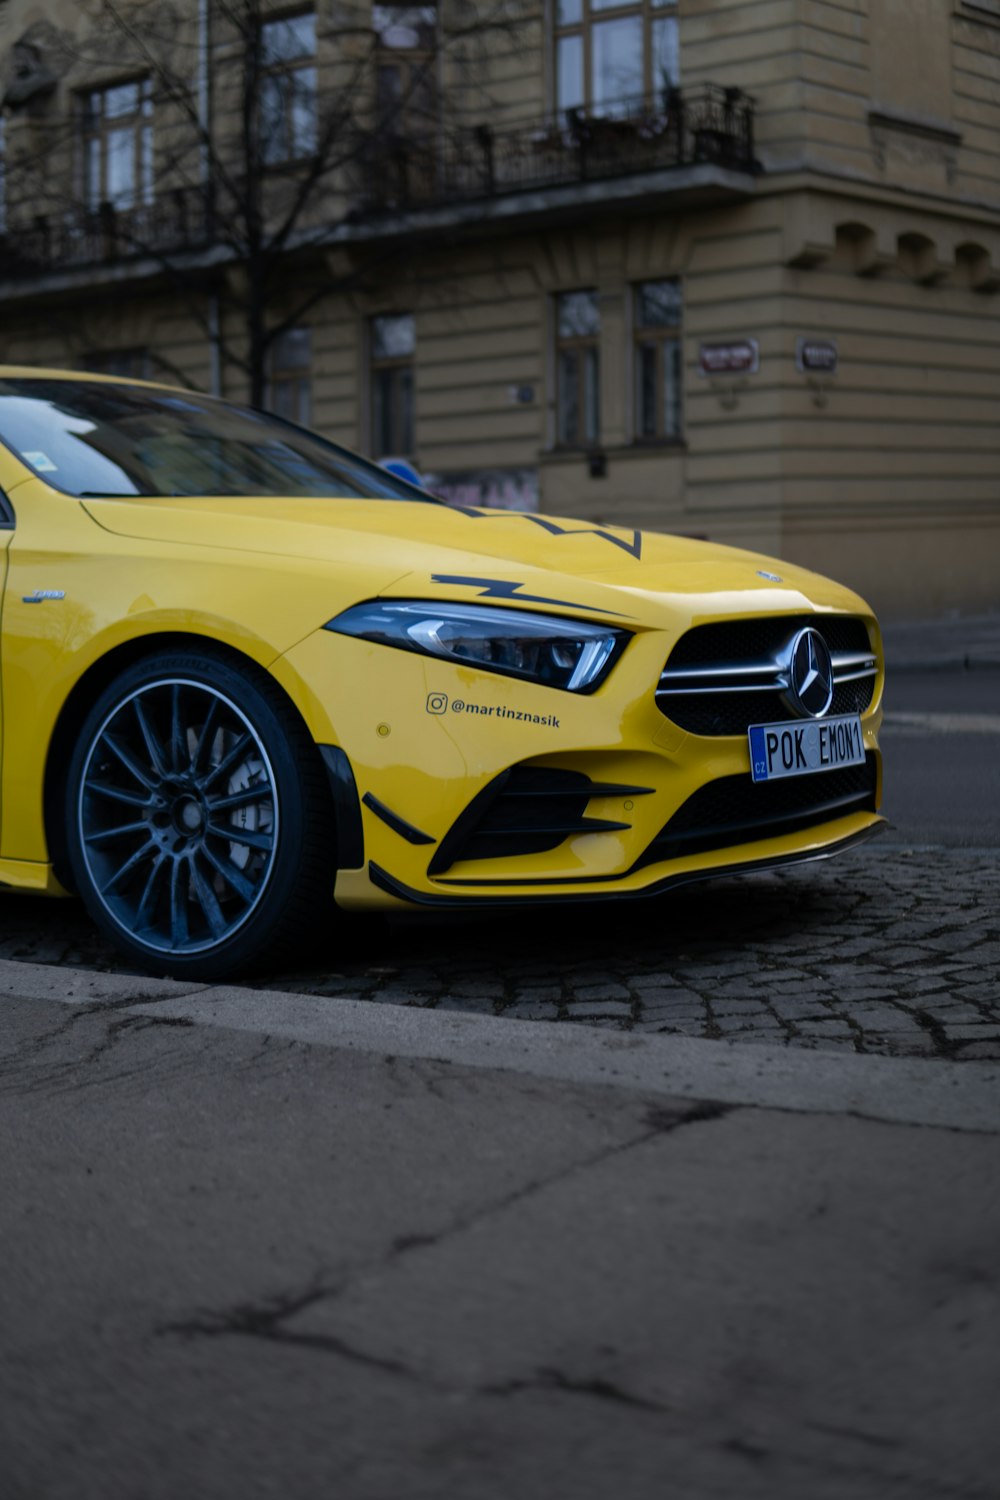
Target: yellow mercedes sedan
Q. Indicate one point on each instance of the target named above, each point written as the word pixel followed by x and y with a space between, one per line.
pixel 246 672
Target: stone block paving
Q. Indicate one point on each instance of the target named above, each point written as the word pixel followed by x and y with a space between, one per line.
pixel 888 950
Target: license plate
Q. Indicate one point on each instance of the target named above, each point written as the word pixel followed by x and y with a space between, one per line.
pixel 799 749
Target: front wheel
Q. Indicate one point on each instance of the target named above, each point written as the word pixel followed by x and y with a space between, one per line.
pixel 200 830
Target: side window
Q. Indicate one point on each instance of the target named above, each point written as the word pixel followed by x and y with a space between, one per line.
pixel 289 382
pixel 659 369
pixel 393 346
pixel 405 71
pixel 578 369
pixel 613 55
pixel 117 145
pixel 288 105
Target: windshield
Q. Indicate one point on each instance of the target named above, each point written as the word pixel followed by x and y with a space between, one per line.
pixel 111 439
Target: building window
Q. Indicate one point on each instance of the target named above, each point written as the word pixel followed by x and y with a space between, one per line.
pixel 578 364
pixel 393 345
pixel 405 71
pixel 659 356
pixel 288 88
pixel 117 143
pixel 127 364
pixel 609 55
pixel 289 379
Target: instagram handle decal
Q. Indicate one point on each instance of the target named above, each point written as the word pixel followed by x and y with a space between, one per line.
pixel 438 703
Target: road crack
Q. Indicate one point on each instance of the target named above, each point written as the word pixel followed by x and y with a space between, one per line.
pixel 596 1387
pixel 267 1321
pixel 268 1318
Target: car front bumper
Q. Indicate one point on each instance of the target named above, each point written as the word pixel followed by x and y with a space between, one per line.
pixel 422 745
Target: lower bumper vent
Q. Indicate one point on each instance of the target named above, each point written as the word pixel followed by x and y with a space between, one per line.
pixel 527 810
pixel 736 810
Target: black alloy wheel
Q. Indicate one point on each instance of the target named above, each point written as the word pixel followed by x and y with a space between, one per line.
pixel 200 830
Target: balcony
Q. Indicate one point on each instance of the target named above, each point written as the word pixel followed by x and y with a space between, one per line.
pixel 701 141
pixel 75 237
pixel 711 125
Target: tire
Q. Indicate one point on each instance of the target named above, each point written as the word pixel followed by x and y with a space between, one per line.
pixel 199 826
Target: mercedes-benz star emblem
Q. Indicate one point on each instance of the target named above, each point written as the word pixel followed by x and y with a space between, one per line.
pixel 810 674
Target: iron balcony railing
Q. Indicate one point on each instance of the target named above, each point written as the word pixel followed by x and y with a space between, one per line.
pixel 710 124
pixel 397 172
pixel 75 236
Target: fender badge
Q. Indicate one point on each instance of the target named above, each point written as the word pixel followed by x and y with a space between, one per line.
pixel 40 594
pixel 771 577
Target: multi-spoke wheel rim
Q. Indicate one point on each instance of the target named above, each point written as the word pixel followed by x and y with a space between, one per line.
pixel 178 816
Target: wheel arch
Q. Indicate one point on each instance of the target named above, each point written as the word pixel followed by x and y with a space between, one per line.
pixel 85 692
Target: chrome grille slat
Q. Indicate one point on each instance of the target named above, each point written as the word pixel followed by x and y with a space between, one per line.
pixel 839 677
pixel 844 659
pixel 730 680
pixel 778 685
pixel 753 670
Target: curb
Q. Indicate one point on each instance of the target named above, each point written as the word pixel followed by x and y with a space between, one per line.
pixel 896 1091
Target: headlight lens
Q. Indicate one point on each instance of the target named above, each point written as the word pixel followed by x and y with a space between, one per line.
pixel 571 654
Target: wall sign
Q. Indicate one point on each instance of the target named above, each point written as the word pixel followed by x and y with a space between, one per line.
pixel 816 356
pixel 737 357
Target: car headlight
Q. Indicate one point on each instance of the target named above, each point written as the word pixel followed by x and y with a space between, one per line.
pixel 571 654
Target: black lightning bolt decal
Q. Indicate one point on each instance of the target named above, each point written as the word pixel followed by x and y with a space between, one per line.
pixel 633 548
pixel 501 588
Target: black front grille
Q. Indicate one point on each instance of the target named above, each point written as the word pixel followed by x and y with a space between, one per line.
pixel 757 639
pixel 527 810
pixel 738 810
pixel 733 713
pixel 739 643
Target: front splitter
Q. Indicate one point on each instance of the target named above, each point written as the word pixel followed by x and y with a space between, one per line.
pixel 391 886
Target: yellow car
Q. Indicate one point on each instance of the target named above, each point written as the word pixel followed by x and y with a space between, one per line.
pixel 245 670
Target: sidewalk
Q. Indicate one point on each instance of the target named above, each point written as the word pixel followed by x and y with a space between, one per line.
pixel 969 644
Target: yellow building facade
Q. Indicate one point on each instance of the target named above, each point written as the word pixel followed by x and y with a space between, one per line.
pixel 724 267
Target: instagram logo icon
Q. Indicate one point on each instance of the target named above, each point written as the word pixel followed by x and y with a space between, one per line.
pixel 437 703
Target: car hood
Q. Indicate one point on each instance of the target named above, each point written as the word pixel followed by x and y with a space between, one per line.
pixel 434 551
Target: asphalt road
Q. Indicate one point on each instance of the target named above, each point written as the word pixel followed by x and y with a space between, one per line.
pixel 257 1247
pixel 941 747
pixel 278 1246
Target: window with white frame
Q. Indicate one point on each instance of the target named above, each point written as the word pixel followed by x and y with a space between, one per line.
pixel 612 53
pixel 393 344
pixel 289 376
pixel 117 145
pixel 659 361
pixel 578 369
pixel 287 100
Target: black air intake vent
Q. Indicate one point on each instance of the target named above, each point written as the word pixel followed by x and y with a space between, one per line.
pixel 528 810
pixel 737 810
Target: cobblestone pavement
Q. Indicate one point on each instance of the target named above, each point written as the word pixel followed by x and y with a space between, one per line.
pixel 888 950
